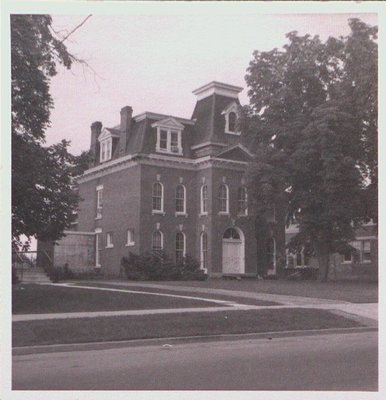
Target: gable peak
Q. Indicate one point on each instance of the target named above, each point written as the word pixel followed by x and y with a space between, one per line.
pixel 168 122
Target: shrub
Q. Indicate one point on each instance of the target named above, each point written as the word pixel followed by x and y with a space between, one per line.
pixel 60 273
pixel 157 266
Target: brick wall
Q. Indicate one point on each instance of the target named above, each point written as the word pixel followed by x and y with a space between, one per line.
pixel 169 222
pixel 121 198
pixel 127 204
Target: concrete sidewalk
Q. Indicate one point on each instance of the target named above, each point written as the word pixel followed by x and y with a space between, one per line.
pixel 366 312
pixel 277 298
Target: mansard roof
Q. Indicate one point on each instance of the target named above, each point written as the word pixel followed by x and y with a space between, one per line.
pixel 210 123
pixel 205 128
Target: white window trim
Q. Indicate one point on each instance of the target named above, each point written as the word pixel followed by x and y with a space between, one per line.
pixel 98 232
pixel 181 213
pixel 162 199
pixel 226 212
pixel 245 214
pixel 232 108
pixel 202 251
pixel 109 240
pixel 108 144
pixel 99 208
pixel 361 252
pixel 202 212
pixel 184 241
pixel 168 149
pixel 237 133
pixel 130 243
pixel 162 240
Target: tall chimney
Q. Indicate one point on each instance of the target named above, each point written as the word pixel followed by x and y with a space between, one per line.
pixel 126 118
pixel 96 128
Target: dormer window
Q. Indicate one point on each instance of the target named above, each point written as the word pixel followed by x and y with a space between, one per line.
pixel 232 122
pixel 106 144
pixel 230 114
pixel 169 136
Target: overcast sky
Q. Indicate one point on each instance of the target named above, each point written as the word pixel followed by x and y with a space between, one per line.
pixel 153 63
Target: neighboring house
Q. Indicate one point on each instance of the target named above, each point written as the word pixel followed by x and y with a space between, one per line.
pixel 171 183
pixel 361 261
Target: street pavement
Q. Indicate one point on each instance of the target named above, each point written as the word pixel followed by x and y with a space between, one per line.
pixel 319 362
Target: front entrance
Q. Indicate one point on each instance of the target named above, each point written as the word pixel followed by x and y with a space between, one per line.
pixel 233 259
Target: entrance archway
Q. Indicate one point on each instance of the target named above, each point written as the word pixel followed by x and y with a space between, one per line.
pixel 233 251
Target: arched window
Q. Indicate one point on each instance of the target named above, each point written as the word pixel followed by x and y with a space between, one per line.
pixel 158 197
pixel 157 241
pixel 204 199
pixel 180 246
pixel 242 205
pixel 231 233
pixel 223 196
pixel 180 199
pixel 232 122
pixel 204 251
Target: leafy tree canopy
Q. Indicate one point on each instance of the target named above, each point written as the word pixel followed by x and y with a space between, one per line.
pixel 43 200
pixel 312 121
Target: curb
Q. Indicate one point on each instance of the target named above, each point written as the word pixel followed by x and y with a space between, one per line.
pixel 169 341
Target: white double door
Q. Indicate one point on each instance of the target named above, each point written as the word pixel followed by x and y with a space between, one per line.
pixel 232 256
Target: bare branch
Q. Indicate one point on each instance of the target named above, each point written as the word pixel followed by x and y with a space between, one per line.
pixel 76 28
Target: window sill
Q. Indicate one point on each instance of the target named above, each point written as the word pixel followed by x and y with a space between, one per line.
pixel 233 133
pixel 242 215
pixel 158 212
pixel 110 247
pixel 98 217
pixel 223 213
pixel 181 214
pixel 105 160
pixel 172 153
pixel 130 244
pixel 203 214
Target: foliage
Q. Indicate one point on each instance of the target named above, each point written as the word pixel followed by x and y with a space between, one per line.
pixel 301 274
pixel 157 266
pixel 312 123
pixel 43 200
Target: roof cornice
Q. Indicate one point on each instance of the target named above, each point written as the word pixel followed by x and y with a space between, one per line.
pixel 151 115
pixel 158 159
pixel 219 88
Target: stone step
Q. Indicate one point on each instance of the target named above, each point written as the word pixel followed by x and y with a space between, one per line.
pixel 33 276
pixel 28 273
pixel 40 280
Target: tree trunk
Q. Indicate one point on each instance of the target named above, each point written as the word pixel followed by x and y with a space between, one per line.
pixel 323 256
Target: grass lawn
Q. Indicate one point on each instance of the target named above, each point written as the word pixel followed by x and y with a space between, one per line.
pixel 41 299
pixel 80 330
pixel 240 300
pixel 352 291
